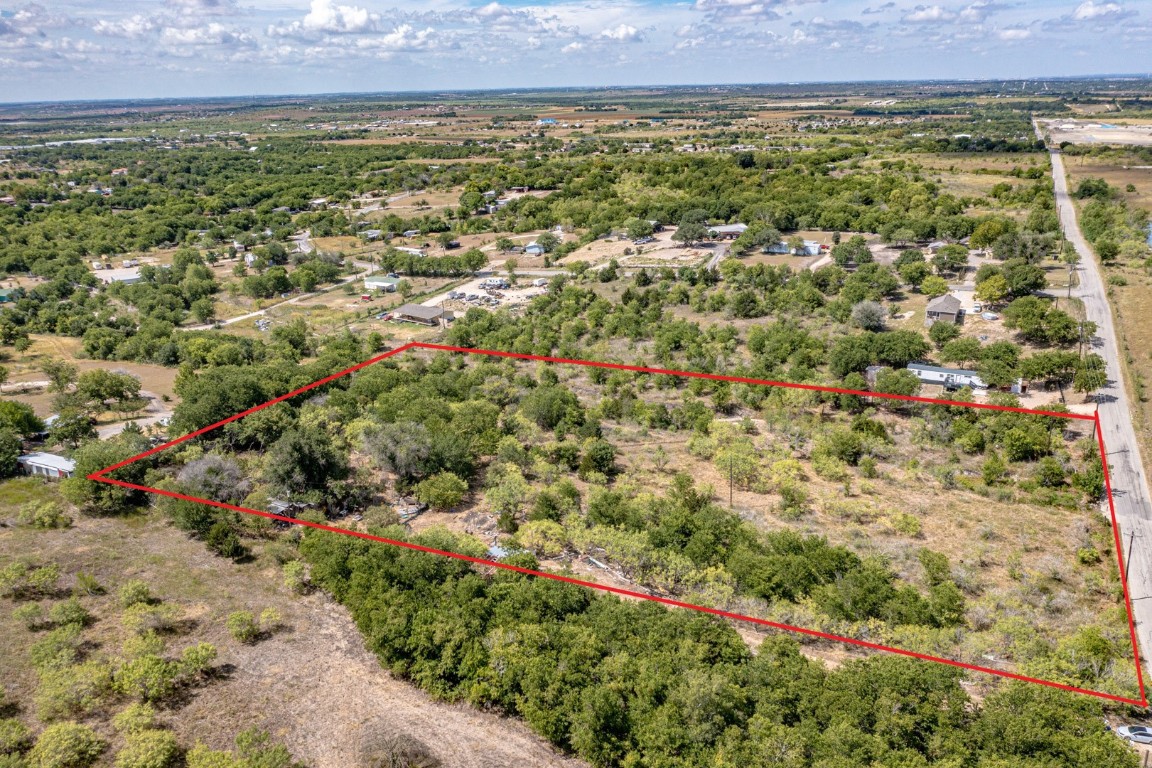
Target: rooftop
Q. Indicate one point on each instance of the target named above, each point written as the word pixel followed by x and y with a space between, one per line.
pixel 946 303
pixel 938 369
pixel 420 311
pixel 42 459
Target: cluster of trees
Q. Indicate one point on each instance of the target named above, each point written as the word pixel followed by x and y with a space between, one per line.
pixel 400 262
pixel 623 683
pixel 1114 228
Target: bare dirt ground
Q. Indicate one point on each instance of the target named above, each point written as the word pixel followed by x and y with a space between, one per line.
pixel 1125 131
pixel 313 686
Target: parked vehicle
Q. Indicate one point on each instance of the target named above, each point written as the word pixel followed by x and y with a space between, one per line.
pixel 1139 734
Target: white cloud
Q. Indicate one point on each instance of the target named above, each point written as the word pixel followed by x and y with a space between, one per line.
pixel 406 38
pixel 623 33
pixel 978 12
pixel 210 7
pixel 1014 34
pixel 133 27
pixel 929 14
pixel 573 47
pixel 1091 11
pixel 748 10
pixel 207 34
pixel 325 17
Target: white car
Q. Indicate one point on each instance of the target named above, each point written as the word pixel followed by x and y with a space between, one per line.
pixel 1141 734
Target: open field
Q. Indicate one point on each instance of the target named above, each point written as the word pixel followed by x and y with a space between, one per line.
pixel 317 663
pixel 1126 131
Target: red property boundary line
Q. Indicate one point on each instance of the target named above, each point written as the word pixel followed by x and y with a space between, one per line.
pixel 102 476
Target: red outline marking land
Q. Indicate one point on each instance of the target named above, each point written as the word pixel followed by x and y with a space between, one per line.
pixel 101 476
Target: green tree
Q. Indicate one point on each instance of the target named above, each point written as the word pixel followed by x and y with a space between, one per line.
pixel 934 286
pixel 993 290
pixel 19 418
pixel 304 461
pixel 1090 375
pixel 690 232
pixel 97 498
pixel 548 241
pixel 942 333
pixel 61 374
pixel 10 450
pixel 950 260
pixel 443 490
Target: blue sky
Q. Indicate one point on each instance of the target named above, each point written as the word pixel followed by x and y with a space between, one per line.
pixel 80 49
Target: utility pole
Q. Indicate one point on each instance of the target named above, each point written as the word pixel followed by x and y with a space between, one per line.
pixel 1128 559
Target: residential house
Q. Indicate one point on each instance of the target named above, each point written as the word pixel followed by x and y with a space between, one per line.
pixel 727 231
pixel 946 308
pixel 46 465
pixel 534 249
pixel 385 284
pixel 416 313
pixel 950 378
pixel 127 276
pixel 8 294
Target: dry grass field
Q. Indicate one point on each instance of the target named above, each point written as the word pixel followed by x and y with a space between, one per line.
pixel 312 684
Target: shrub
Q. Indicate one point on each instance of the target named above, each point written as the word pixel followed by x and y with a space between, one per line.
pixel 1050 473
pixel 222 540
pixel 142 645
pixel 441 491
pixel 867 467
pixel 66 745
pixel 793 501
pixel 196 660
pixel 86 584
pixel 135 718
pixel 47 515
pixel 829 467
pixel 243 627
pixel 148 749
pixel 57 648
pixel 992 470
pixel 544 538
pixel 905 524
pixel 142 618
pixel 599 456
pixel 202 757
pixel 69 612
pixel 134 592
pixel 14 736
pixel 1088 555
pixel 148 678
pixel 19 580
pixel 270 619
pixel 31 615
pixel 296 576
pixel 936 566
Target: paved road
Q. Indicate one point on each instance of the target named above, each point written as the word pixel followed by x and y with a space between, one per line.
pixel 1129 483
pixel 721 252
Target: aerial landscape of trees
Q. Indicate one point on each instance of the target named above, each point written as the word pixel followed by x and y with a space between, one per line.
pixel 963 533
